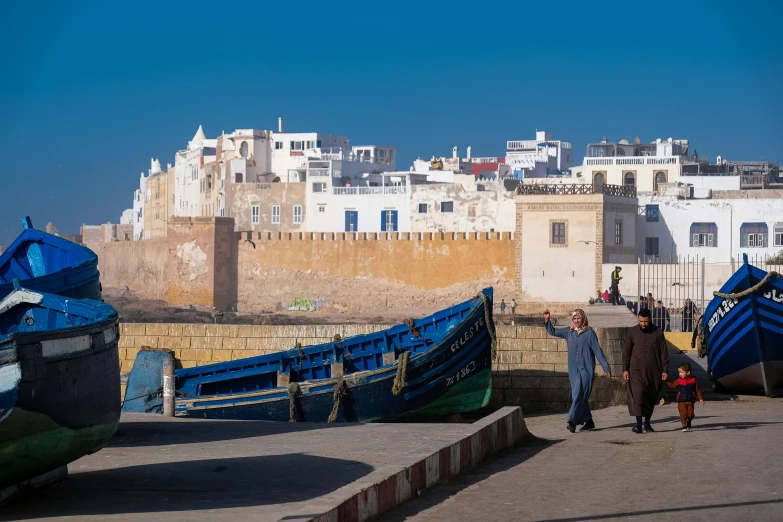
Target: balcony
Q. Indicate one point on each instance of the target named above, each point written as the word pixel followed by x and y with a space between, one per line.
pixel 633 160
pixel 369 191
pixel 338 154
pixel 318 172
pixel 575 189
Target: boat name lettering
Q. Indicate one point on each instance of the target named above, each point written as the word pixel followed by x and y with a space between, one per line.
pixel 464 372
pixel 774 295
pixel 473 330
pixel 722 310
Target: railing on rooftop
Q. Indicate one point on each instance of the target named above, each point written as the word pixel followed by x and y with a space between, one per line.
pixel 575 189
pixel 533 144
pixel 338 154
pixel 634 160
pixel 318 172
pixel 365 191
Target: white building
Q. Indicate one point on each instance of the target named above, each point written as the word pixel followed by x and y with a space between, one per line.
pixel 717 229
pixel 645 166
pixel 127 217
pixel 139 196
pixel 188 164
pixel 540 157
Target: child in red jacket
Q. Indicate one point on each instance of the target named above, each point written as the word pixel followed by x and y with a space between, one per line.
pixel 688 392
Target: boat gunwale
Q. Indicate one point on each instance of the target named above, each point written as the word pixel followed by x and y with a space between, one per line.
pixel 60 333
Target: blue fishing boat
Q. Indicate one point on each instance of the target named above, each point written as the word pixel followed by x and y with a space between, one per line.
pixel 436 365
pixel 744 332
pixel 59 382
pixel 48 263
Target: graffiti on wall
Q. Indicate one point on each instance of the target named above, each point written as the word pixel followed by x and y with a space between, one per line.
pixel 305 304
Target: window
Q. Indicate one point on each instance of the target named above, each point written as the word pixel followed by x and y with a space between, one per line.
pixel 222 212
pixel 598 179
pixel 704 235
pixel 149 192
pixel 297 145
pixel 778 234
pixel 238 177
pixel 629 179
pixel 322 209
pixel 193 173
pixel 318 144
pixel 422 208
pixel 278 145
pixel 297 214
pixel 351 220
pixel 558 233
pixel 388 221
pixel 255 214
pixel 618 233
pixel 472 212
pixel 447 206
pixel 652 212
pixel 243 149
pixel 319 188
pixel 651 246
pixel 660 178
pixel 275 214
pixel 753 235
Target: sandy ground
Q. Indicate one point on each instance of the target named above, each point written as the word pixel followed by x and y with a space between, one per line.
pixel 134 310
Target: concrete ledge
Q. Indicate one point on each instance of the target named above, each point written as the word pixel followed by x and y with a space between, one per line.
pixel 389 486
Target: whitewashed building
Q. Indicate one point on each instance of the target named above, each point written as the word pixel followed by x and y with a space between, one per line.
pixel 127 217
pixel 645 166
pixel 717 229
pixel 540 157
pixel 188 165
pixel 139 196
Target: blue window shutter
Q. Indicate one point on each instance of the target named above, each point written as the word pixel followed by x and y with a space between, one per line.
pixel 394 220
pixel 383 221
pixel 347 220
pixel 355 220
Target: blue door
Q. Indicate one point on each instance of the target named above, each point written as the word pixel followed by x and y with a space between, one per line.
pixel 351 220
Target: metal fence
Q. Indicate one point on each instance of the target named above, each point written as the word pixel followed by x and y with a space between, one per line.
pixel 674 280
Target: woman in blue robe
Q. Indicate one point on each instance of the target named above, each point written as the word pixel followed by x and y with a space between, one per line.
pixel 583 350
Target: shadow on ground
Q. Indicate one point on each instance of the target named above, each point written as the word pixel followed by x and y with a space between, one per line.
pixel 441 493
pixel 136 431
pixel 202 484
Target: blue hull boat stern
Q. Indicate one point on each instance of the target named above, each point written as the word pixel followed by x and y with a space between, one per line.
pixel 59 382
pixel 745 333
pixel 48 263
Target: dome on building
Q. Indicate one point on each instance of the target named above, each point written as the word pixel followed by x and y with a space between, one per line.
pixel 623 142
pixel 200 136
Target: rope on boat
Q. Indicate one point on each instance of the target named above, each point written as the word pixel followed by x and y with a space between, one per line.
pixel 410 323
pixel 402 370
pixel 294 391
pixel 744 293
pixel 338 392
pixel 490 324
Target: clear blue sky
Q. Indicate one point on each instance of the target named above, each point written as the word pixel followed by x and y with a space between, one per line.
pixel 91 90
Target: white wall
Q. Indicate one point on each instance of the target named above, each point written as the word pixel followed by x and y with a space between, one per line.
pixel 494 208
pixel 676 217
pixel 712 182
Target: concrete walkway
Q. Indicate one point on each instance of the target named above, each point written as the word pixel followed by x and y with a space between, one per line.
pixel 173 469
pixel 728 468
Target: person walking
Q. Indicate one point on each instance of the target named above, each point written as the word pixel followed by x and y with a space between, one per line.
pixel 502 307
pixel 645 368
pixel 583 350
pixel 615 288
pixel 513 307
pixel 650 301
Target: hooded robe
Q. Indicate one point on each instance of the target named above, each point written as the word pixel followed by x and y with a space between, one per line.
pixel 646 358
pixel 583 350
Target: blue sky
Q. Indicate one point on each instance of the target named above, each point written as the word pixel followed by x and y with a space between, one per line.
pixel 91 91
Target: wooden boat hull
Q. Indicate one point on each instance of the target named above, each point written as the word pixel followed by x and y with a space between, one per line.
pixel 446 364
pixel 47 263
pixel 444 380
pixel 745 335
pixel 59 398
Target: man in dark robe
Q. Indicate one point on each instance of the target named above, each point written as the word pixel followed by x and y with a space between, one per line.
pixel 645 368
